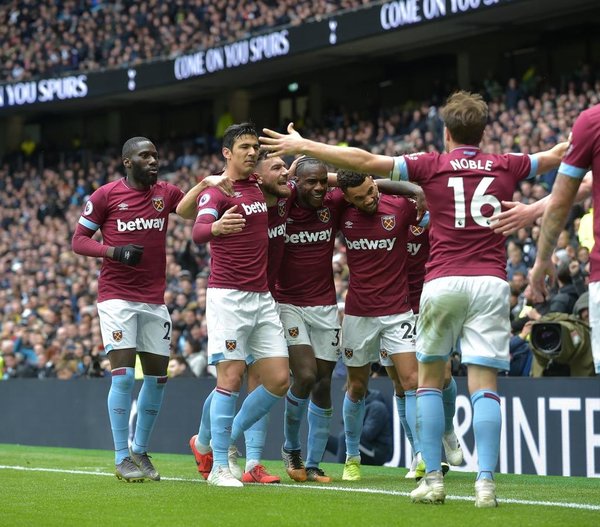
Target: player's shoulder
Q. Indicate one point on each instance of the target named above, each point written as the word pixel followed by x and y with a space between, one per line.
pixel 105 191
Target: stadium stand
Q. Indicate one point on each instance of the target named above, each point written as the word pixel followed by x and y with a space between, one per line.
pixel 52 38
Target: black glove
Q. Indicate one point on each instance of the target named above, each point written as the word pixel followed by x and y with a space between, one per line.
pixel 129 254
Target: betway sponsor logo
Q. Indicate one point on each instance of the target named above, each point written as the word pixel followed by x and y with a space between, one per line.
pixel 309 237
pixel 413 248
pixel 276 232
pixel 140 224
pixel 254 208
pixel 364 244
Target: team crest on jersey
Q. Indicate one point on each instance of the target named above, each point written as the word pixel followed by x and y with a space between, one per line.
pixel 294 332
pixel 348 352
pixel 388 222
pixel 324 215
pixel 230 345
pixel 158 204
pixel 383 354
pixel 281 207
pixel 117 335
pixel 416 230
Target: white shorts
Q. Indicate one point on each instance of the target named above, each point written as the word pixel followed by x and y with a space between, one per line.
pixel 594 308
pixel 369 339
pixel 242 325
pixel 474 308
pixel 316 326
pixel 144 327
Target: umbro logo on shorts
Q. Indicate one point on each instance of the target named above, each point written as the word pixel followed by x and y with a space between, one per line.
pixel 383 354
pixel 117 335
pixel 348 352
pixel 294 332
pixel 230 345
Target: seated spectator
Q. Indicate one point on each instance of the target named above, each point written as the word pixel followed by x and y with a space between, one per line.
pixel 178 367
pixel 377 439
pixel 515 260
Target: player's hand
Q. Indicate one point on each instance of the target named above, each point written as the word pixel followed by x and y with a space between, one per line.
pixel 560 149
pixel 281 144
pixel 516 216
pixel 421 203
pixel 230 223
pixel 223 183
pixel 541 277
pixel 292 169
pixel 128 254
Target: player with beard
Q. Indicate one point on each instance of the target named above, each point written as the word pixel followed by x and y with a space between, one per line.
pixel 378 317
pixel 132 214
pixel 308 308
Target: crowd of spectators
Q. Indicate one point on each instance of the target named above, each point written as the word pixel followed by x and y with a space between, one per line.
pixel 52 37
pixel 48 320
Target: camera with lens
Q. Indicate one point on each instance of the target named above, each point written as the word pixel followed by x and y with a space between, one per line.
pixel 561 346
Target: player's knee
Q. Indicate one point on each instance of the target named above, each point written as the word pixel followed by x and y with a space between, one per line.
pixel 279 384
pixel 305 380
pixel 409 381
pixel 123 380
pixel 357 389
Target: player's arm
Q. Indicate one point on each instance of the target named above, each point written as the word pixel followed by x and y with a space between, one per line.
pixel 550 159
pixel 208 225
pixel 349 158
pixel 83 243
pixel 188 205
pixel 404 188
pixel 553 222
pixel 519 215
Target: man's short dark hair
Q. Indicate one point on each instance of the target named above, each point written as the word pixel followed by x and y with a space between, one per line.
pixel 235 131
pixel 563 273
pixel 262 155
pixel 131 144
pixel 348 179
pixel 306 164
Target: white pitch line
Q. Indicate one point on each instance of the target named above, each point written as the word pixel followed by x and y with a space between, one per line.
pixel 581 506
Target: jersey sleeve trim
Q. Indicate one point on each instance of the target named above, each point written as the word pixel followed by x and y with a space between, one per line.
pixel 572 171
pixel 534 167
pixel 88 224
pixel 400 170
pixel 424 220
pixel 209 211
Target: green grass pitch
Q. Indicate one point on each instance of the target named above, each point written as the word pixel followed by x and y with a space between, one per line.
pixel 59 486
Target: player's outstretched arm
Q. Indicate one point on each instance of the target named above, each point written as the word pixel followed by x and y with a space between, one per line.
pixel 187 206
pixel 551 159
pixel 519 215
pixel 349 158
